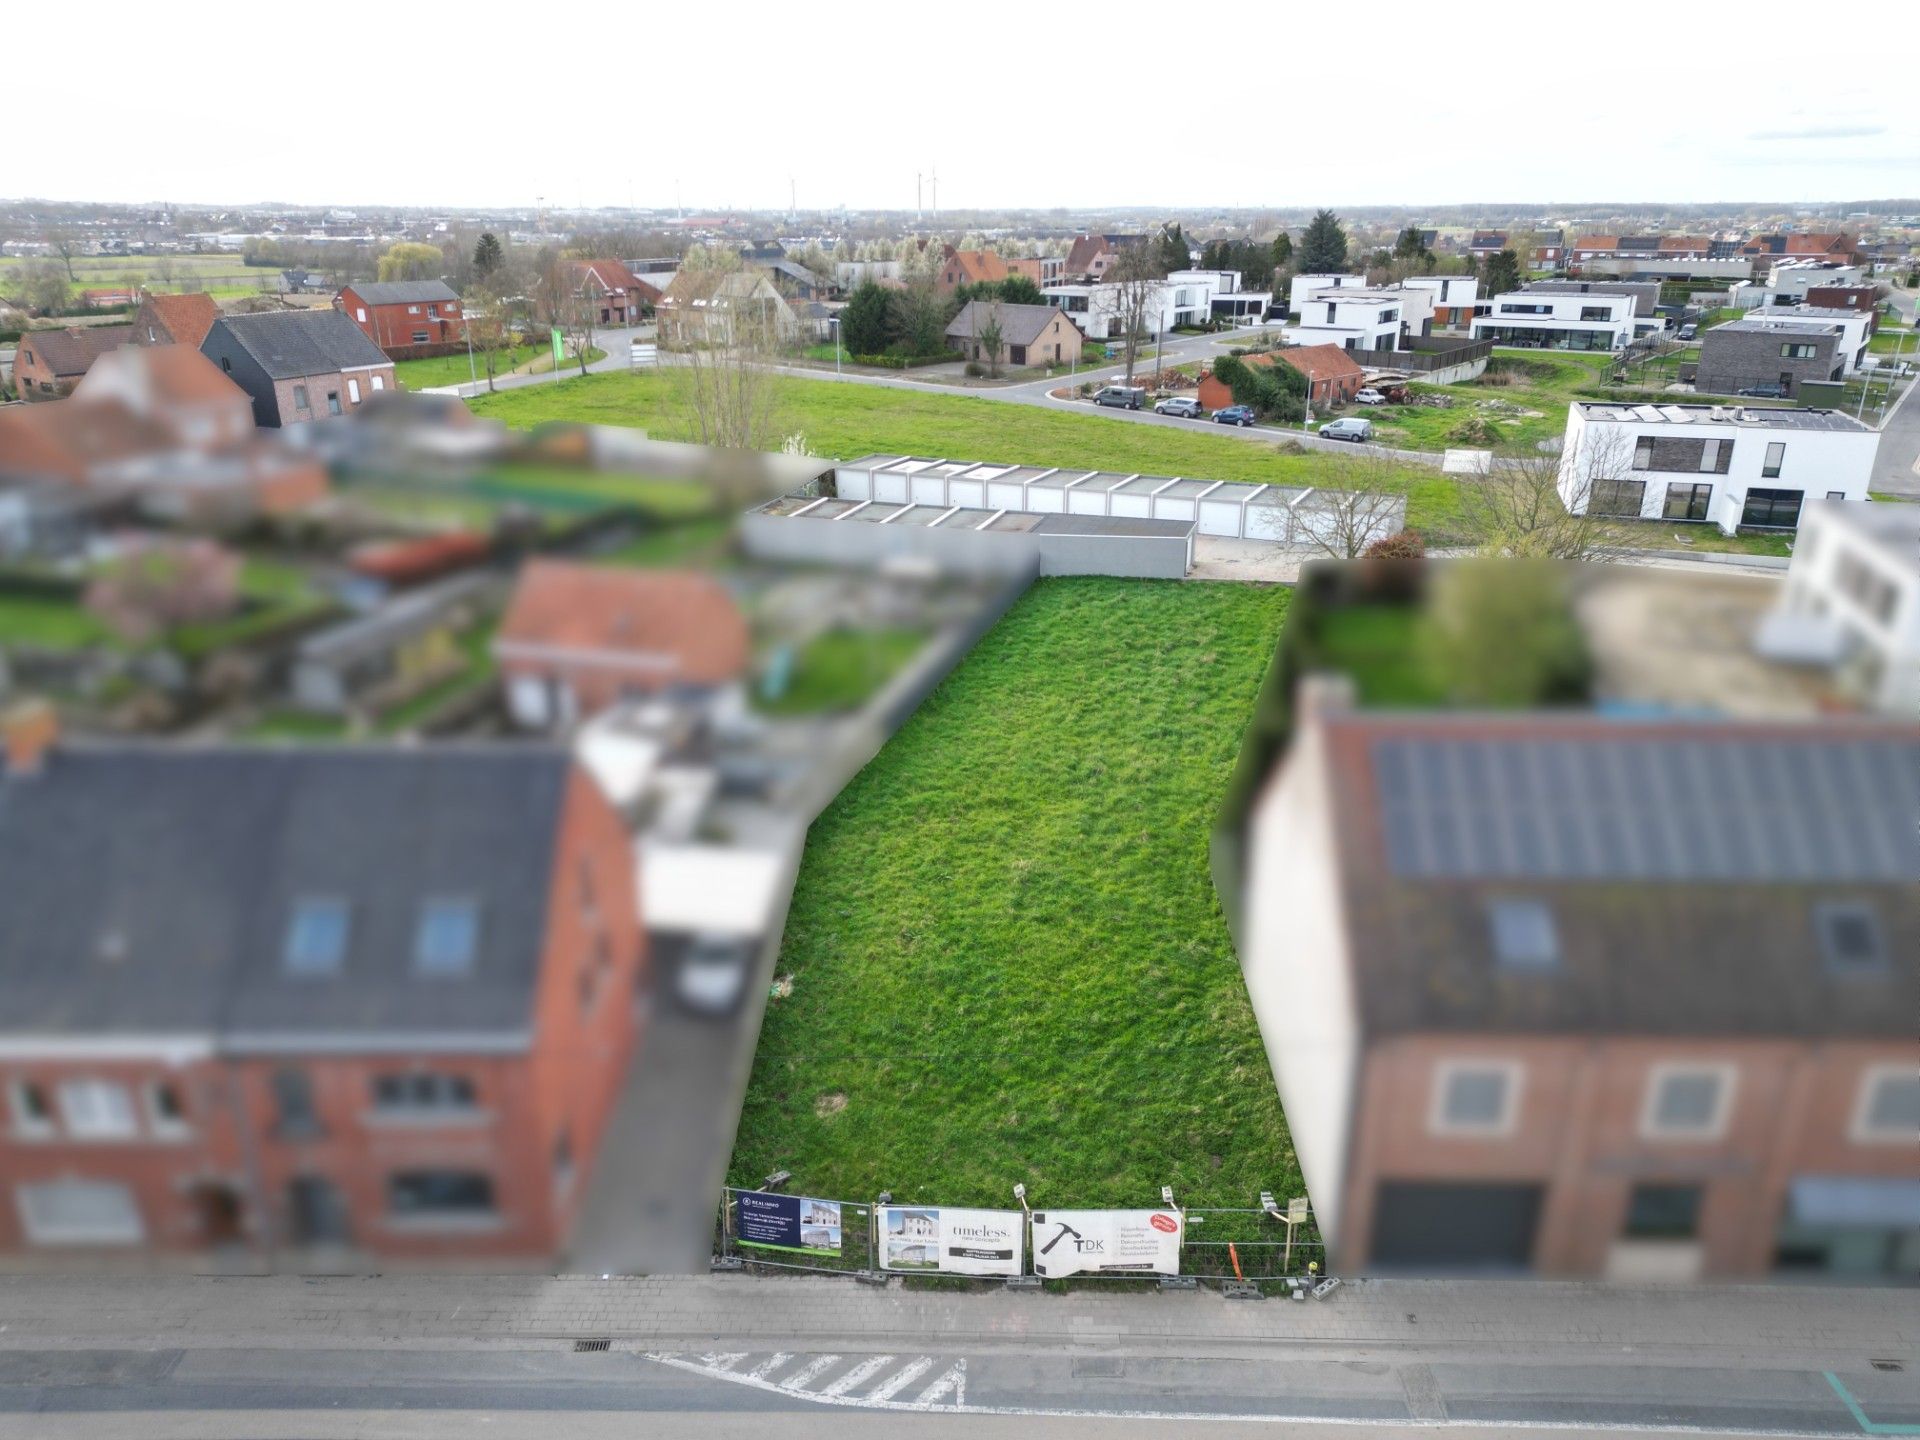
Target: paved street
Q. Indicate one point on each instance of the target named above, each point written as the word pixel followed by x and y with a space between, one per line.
pixel 1896 469
pixel 719 1355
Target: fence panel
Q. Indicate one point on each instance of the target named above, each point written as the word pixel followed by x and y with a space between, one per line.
pixel 1253 1245
pixel 793 1232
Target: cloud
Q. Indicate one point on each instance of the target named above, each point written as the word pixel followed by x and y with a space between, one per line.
pixel 1821 132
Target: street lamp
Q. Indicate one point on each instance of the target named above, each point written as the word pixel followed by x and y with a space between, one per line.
pixel 834 322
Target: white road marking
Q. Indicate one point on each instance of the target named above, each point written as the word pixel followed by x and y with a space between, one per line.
pixel 953 1383
pixel 767 1366
pixel 863 1371
pixel 809 1372
pixel 721 1364
pixel 899 1380
pixel 878 1401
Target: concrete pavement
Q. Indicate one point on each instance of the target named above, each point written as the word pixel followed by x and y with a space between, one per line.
pixel 1896 469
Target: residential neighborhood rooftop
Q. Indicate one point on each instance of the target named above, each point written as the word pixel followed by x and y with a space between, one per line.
pixel 289 344
pixel 405 292
pixel 1783 417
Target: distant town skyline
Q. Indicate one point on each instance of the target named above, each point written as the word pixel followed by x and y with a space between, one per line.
pixel 1346 112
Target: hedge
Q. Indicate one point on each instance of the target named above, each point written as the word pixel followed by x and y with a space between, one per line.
pixel 904 362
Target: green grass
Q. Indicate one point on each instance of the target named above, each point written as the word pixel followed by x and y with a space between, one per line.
pixel 1005 948
pixel 1546 382
pixel 454 370
pixel 851 420
pixel 295 725
pixel 699 543
pixel 476 672
pixel 1378 645
pixel 44 622
pixel 840 669
pixel 273 595
pixel 1666 535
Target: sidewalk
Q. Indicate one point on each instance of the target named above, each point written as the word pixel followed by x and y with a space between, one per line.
pixel 1718 1325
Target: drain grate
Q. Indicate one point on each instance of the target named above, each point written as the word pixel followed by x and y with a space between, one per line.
pixel 1888 1364
pixel 585 1345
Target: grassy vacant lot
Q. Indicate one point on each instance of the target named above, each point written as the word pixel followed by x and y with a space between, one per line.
pixel 851 420
pixel 1008 961
pixel 1545 382
pixel 838 670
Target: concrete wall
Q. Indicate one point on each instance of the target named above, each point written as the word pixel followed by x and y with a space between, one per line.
pixel 803 539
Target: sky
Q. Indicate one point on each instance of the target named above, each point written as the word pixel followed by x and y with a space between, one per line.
pixel 1387 104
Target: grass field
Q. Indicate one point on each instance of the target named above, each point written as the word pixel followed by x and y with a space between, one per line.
pixel 848 420
pixel 1007 959
pixel 838 670
pixel 453 369
pixel 225 277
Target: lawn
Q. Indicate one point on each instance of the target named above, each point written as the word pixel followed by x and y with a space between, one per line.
pixel 1007 959
pixel 50 623
pixel 839 669
pixel 698 543
pixel 454 370
pixel 851 420
pixel 1378 645
pixel 1543 382
pixel 272 594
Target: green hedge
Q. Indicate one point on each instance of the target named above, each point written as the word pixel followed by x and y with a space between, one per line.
pixel 904 362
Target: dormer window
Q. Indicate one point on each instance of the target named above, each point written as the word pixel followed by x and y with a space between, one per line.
pixel 1524 936
pixel 317 937
pixel 1850 937
pixel 448 935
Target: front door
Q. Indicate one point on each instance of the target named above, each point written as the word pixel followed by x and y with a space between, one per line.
pixel 316 1212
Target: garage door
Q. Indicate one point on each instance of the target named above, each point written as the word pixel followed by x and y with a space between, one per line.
pixel 1430 1226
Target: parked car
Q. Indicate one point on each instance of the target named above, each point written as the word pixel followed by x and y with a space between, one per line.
pixel 1352 429
pixel 1234 415
pixel 1369 396
pixel 1763 392
pixel 1184 406
pixel 1688 332
pixel 1120 397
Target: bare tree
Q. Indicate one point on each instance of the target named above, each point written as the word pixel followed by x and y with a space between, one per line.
pixel 990 334
pixel 1360 499
pixel 564 304
pixel 43 286
pixel 488 333
pixel 66 245
pixel 1137 286
pixel 727 384
pixel 1540 506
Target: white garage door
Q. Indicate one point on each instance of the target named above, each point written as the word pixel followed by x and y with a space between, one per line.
pixel 79 1212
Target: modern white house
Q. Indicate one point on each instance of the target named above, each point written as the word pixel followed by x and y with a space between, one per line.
pixel 1728 465
pixel 1185 297
pixel 1856 327
pixel 1852 597
pixel 1372 318
pixel 1304 287
pixel 1551 320
pixel 1454 298
pixel 1789 281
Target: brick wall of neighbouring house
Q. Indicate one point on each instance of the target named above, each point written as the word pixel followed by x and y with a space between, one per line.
pixel 32 378
pixel 1733 361
pixel 392 328
pixel 318 386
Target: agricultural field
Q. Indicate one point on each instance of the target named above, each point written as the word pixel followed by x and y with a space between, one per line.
pixel 225 277
pixel 1006 958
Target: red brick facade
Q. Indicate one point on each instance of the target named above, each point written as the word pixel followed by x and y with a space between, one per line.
pixel 408 331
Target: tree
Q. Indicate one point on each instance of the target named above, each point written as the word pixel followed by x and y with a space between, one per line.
pixel 866 320
pixel 410 260
pixel 1516 509
pixel 1362 500
pixel 564 305
pixel 1170 249
pixel 989 334
pixel 1137 283
pixel 153 585
pixel 1282 249
pixel 1541 656
pixel 727 383
pixel 1273 390
pixel 1323 248
pixel 1501 275
pixel 66 245
pixel 919 318
pixel 1411 244
pixel 43 286
pixel 487 255
pixel 1020 290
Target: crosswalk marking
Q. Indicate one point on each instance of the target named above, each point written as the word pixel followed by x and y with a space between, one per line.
pixel 900 1379
pixel 767 1366
pixel 953 1383
pixel 858 1374
pixel 809 1372
pixel 722 1363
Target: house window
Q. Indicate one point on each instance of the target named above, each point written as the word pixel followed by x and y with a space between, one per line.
pixel 1523 934
pixel 27 1106
pixel 300 398
pixel 1777 508
pixel 1776 455
pixel 316 937
pixel 1474 1099
pixel 421 337
pixel 225 364
pixel 1798 352
pixel 166 1115
pixel 1663 1212
pixel 413 309
pixel 293 1103
pixel 360 314
pixel 423 1091
pixel 427 1193
pixel 353 390
pixel 79 1212
pixel 333 402
pixel 97 1110
pixel 1617 497
pixel 449 931
pixel 1850 937
pixel 379 382
pixel 1596 312
pixel 1687 502
pixel 1687 1102
pixel 1889 1106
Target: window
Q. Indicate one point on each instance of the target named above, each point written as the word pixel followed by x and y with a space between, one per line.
pixel 29 1111
pixel 413 309
pixel 79 1212
pixel 353 390
pixel 360 314
pixel 1705 457
pixel 433 309
pixel 1616 497
pixel 1473 1098
pixel 1776 455
pixel 1663 1212
pixel 97 1110
pixel 1850 937
pixel 1777 508
pixel 333 402
pixel 421 337
pixel 1523 934
pixel 300 398
pixel 1687 1102
pixel 1866 587
pixel 293 1103
pixel 166 1115
pixel 414 1193
pixel 1798 351
pixel 444 943
pixel 226 364
pixel 379 382
pixel 1596 312
pixel 1889 1105
pixel 1687 502
pixel 422 1091
pixel 317 937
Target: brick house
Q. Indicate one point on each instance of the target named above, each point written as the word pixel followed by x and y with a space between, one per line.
pixel 1029 334
pixel 407 319
pixel 608 286
pixel 298 364
pixel 1768 250
pixel 49 363
pixel 1589 995
pixel 1333 376
pixel 176 386
pixel 576 639
pixel 1761 351
pixel 1863 298
pixel 969 267
pixel 374 1000
pixel 174 319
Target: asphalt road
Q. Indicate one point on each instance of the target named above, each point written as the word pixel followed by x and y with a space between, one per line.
pixel 1896 469
pixel 545 1389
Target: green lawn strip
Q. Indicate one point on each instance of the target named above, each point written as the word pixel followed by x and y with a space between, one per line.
pixel 1667 535
pixel 851 420
pixel 295 725
pixel 839 669
pixel 454 369
pixel 49 623
pixel 1378 645
pixel 577 487
pixel 1005 949
pixel 700 543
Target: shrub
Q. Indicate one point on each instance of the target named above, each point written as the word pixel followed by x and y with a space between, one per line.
pixel 975 369
pixel 1403 545
pixel 1541 658
pixel 1474 430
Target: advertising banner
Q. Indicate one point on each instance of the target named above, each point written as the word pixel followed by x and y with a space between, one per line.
pixel 960 1242
pixel 1068 1242
pixel 787 1222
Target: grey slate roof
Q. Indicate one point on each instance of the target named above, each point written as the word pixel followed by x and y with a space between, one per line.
pixel 291 344
pixel 149 890
pixel 1019 324
pixel 405 292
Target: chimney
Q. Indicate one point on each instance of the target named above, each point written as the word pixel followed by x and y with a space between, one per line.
pixel 30 730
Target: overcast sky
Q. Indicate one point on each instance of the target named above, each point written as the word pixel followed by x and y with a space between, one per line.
pixel 724 106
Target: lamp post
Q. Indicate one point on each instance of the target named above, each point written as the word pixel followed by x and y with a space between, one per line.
pixel 834 322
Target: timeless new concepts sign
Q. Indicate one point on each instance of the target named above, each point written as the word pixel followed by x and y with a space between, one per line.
pixel 1067 1242
pixel 960 1242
